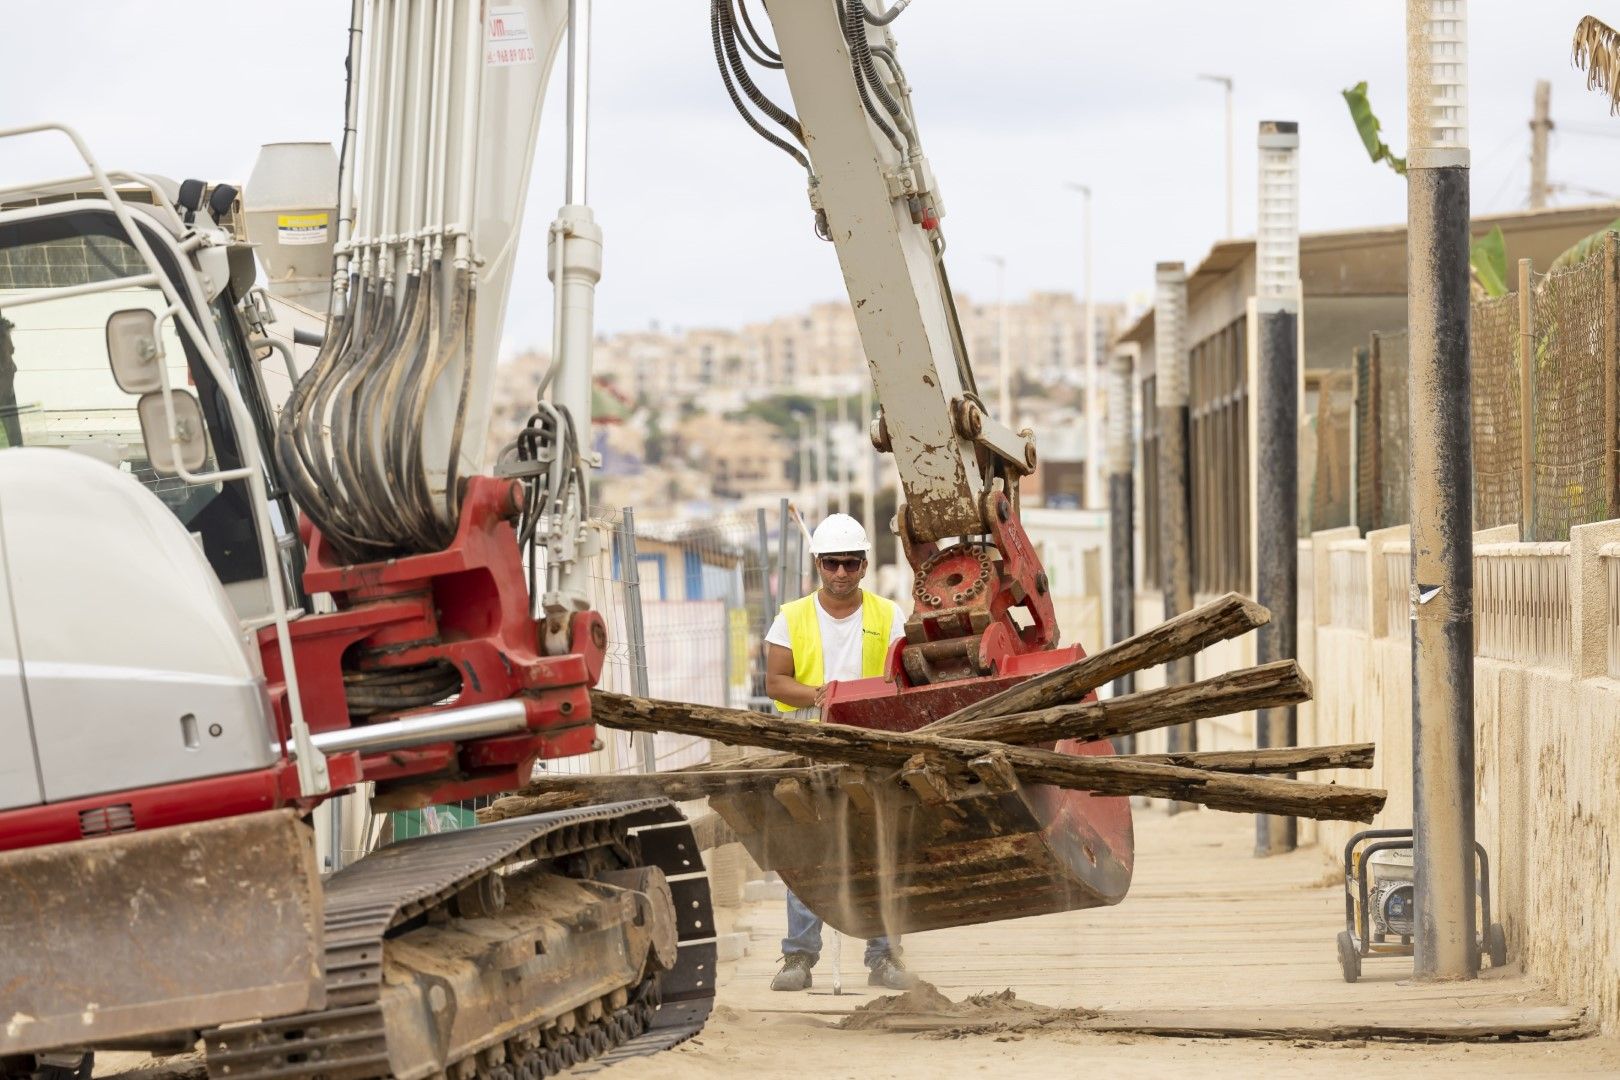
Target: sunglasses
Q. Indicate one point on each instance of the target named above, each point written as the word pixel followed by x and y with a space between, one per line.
pixel 832 564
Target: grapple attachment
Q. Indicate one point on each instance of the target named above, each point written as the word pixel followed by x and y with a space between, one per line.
pixel 922 849
pixel 144 933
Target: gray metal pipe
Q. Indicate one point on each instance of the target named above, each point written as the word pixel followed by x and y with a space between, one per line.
pixel 468 722
pixel 630 571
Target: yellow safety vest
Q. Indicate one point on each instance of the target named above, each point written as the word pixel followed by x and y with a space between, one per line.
pixel 804 632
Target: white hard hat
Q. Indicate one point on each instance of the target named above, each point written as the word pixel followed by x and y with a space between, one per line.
pixel 838 533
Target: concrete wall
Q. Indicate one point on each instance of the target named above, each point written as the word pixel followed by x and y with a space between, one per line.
pixel 1547 754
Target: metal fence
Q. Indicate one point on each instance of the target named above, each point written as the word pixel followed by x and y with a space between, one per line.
pixel 1569 371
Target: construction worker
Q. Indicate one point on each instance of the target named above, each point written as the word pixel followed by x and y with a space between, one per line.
pixel 840 631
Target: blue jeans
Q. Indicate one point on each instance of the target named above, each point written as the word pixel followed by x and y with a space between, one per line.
pixel 804 936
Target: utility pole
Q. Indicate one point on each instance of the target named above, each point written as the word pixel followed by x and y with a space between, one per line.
pixel 1175 541
pixel 1094 422
pixel 840 443
pixel 1540 124
pixel 1121 518
pixel 1277 437
pixel 1226 81
pixel 868 459
pixel 1003 368
pixel 1441 490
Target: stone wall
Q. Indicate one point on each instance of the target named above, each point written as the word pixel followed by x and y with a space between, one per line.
pixel 1547 749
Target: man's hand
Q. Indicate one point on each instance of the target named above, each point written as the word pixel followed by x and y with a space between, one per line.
pixel 821 694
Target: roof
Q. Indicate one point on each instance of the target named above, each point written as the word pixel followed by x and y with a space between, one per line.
pixel 1225 255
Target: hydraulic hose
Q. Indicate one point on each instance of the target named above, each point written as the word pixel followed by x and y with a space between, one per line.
pixel 719 13
pixel 860 58
pixel 774 58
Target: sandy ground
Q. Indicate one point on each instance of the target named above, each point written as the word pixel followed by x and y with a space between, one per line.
pixel 1208 930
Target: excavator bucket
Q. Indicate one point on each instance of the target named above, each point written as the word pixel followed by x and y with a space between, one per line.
pixel 144 933
pixel 920 849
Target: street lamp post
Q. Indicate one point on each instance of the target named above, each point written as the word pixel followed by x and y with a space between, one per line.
pixel 1441 450
pixel 1226 81
pixel 1094 426
pixel 1277 435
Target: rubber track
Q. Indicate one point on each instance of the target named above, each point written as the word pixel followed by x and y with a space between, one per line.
pixel 401 881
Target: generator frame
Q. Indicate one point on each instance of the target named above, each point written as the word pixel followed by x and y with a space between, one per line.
pixel 1355 941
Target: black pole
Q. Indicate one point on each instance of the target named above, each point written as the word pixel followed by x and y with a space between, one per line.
pixel 1441 492
pixel 1121 523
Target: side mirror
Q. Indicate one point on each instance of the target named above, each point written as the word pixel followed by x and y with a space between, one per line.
pixel 134 351
pixel 191 433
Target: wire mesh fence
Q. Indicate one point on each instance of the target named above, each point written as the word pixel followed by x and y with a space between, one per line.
pixel 1571 428
pixel 1573 366
pixel 1389 358
pixel 1495 350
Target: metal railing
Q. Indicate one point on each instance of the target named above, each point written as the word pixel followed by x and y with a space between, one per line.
pixel 1521 603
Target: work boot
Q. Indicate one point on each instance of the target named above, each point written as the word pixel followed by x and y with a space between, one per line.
pixel 891 974
pixel 795 973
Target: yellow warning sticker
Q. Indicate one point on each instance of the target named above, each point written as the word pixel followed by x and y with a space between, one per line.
pixel 302 228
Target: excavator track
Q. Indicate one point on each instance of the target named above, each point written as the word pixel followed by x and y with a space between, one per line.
pixel 420 882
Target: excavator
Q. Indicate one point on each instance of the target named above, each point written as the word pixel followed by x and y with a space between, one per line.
pixel 219 619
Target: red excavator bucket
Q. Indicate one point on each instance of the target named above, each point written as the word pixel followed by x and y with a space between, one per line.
pixel 890 852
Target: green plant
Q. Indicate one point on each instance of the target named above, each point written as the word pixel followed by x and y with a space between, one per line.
pixel 1370 130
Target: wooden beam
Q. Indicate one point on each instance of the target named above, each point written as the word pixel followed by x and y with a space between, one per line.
pixel 1102 775
pixel 1278 759
pixel 1226 617
pixel 1268 686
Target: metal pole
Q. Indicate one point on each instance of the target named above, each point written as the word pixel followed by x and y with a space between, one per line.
pixel 1527 429
pixel 1441 490
pixel 767 603
pixel 1121 520
pixel 634 628
pixel 579 98
pixel 1226 81
pixel 1175 543
pixel 1230 150
pixel 1277 436
pixel 783 526
pixel 868 459
pixel 1003 369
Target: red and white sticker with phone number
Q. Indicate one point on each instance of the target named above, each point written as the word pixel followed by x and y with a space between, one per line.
pixel 506 38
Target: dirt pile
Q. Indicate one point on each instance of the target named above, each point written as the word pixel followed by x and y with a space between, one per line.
pixel 924 1010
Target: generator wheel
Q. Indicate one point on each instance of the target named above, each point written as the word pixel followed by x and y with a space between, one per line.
pixel 1496 944
pixel 1349 958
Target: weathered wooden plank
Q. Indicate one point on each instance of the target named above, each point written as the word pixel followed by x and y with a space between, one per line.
pixel 1102 775
pixel 1267 686
pixel 1277 759
pixel 1225 617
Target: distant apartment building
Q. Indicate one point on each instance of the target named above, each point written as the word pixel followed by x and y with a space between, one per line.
pixel 818 351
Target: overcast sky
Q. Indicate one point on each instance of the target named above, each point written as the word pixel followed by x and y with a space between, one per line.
pixel 707 225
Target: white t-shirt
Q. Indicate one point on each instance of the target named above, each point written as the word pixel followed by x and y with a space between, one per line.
pixel 840 642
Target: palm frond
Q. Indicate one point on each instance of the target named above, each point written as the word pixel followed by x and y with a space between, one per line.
pixel 1596 51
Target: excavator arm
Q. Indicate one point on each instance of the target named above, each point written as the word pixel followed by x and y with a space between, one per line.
pixel 981 594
